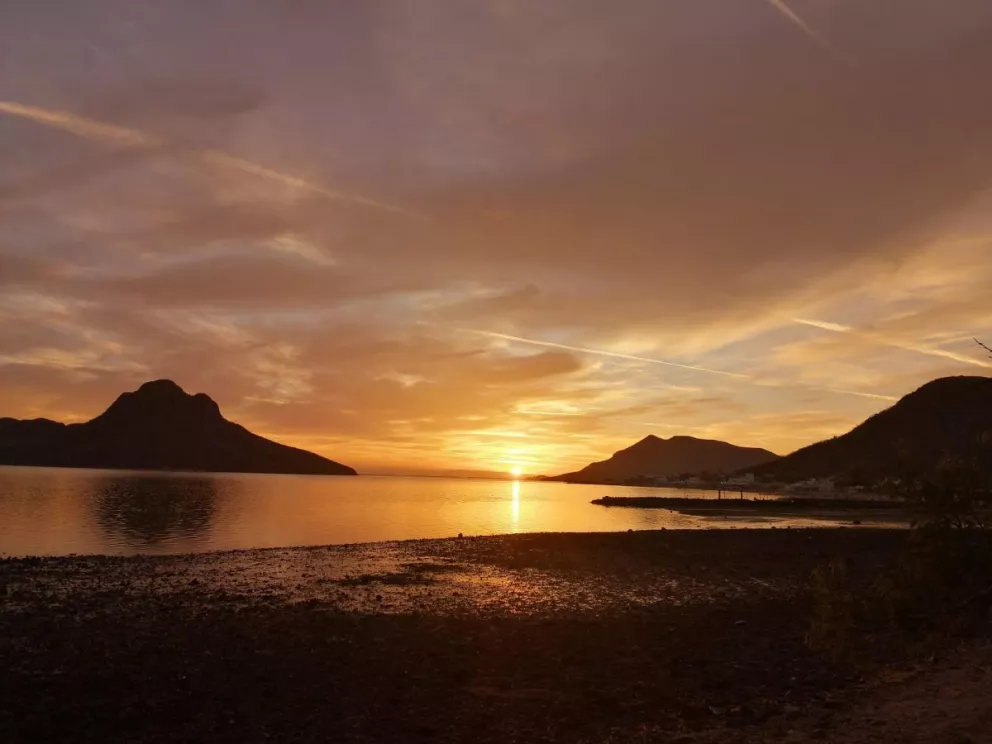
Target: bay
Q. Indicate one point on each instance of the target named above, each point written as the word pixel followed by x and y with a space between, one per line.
pixel 55 511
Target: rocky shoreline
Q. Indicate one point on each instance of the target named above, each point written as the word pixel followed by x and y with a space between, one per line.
pixel 876 512
pixel 628 637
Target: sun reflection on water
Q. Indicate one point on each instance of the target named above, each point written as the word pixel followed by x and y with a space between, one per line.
pixel 515 505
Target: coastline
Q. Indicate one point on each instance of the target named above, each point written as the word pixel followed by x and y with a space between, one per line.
pixel 307 573
pixel 536 637
pixel 58 512
pixel 835 510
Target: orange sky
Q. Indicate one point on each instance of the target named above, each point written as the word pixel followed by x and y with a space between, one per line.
pixel 445 236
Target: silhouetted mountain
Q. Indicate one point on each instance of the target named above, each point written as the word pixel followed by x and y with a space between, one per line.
pixel 157 427
pixel 653 456
pixel 951 416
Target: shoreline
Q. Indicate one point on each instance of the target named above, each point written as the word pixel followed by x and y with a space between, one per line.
pixel 752 523
pixel 826 509
pixel 263 510
pixel 786 503
pixel 613 637
pixel 532 574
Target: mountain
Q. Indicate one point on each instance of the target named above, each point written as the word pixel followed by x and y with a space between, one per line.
pixel 951 416
pixel 655 456
pixel 157 427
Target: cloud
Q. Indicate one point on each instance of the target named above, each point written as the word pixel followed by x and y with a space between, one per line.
pixel 596 352
pixel 165 98
pixel 817 38
pixel 533 367
pixel 133 138
pixel 202 225
pixel 64 176
pixel 880 338
pixel 626 211
pixel 21 270
pixel 236 281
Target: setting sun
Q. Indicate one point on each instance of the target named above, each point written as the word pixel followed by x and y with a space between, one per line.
pixel 557 370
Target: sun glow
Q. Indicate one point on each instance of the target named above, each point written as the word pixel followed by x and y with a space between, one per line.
pixel 516 471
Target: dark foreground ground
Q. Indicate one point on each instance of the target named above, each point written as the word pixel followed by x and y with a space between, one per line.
pixel 651 636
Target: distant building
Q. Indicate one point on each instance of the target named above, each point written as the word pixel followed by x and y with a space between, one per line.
pixel 814 485
pixel 741 480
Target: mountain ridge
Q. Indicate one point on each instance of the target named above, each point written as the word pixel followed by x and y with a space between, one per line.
pixel 656 456
pixel 946 417
pixel 159 426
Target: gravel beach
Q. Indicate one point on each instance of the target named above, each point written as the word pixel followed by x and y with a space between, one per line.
pixel 643 636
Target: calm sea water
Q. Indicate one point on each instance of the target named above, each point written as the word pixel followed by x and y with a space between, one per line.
pixel 51 511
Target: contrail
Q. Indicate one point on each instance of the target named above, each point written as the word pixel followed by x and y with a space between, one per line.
pixel 104 132
pixel 841 391
pixel 617 355
pixel 78 125
pixel 587 414
pixel 871 336
pixel 785 10
pixel 600 352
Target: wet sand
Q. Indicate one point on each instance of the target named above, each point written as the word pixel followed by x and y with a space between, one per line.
pixel 564 637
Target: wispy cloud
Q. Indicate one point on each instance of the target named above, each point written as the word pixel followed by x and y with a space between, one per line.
pixel 824 324
pixel 206 244
pixel 600 352
pixel 859 393
pixel 133 138
pixel 606 418
pixel 694 368
pixel 883 340
pixel 812 33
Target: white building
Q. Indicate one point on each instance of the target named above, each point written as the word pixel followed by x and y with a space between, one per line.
pixel 817 485
pixel 741 480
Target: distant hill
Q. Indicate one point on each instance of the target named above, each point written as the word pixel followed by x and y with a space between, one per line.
pixel 654 456
pixel 157 427
pixel 951 416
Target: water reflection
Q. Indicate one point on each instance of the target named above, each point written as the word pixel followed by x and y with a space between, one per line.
pixel 515 508
pixel 145 510
pixel 45 511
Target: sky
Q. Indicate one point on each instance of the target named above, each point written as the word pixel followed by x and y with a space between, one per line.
pixel 473 235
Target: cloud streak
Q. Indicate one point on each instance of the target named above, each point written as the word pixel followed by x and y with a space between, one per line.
pixel 812 33
pixel 133 138
pixel 186 222
pixel 650 360
pixel 600 352
pixel 894 343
